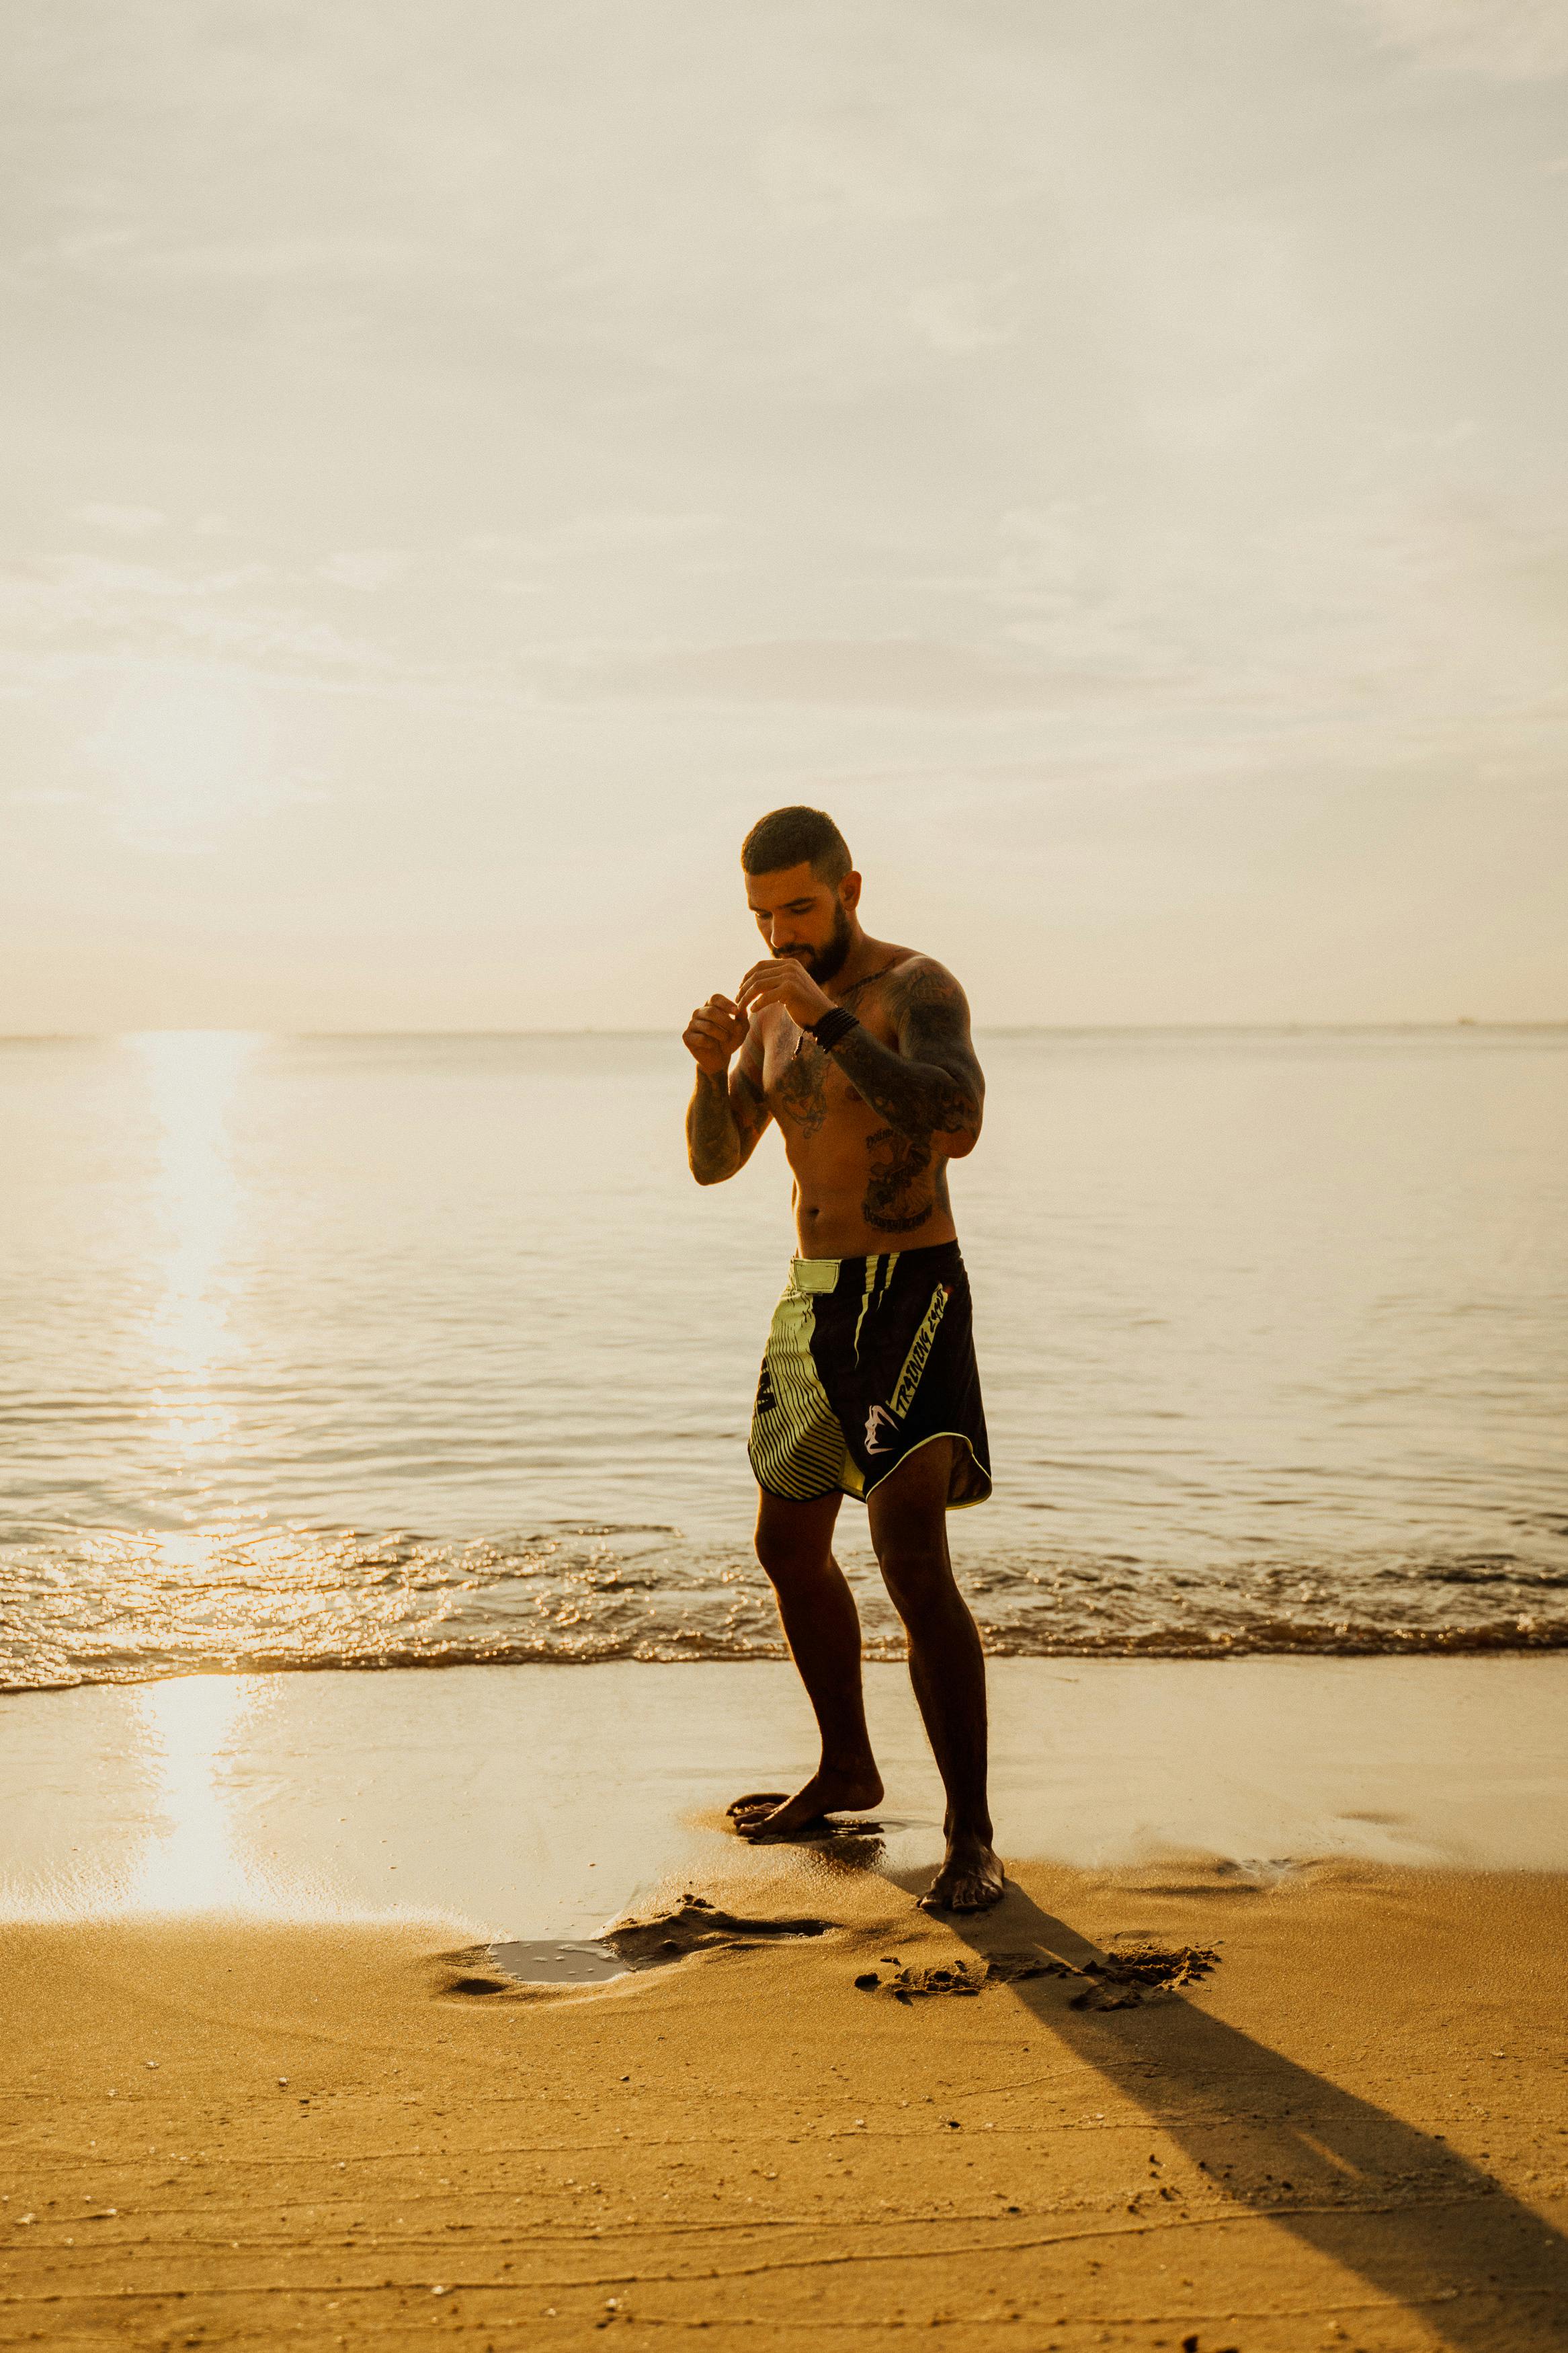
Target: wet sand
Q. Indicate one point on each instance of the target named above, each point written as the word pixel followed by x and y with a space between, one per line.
pixel 543 1799
pixel 1344 2122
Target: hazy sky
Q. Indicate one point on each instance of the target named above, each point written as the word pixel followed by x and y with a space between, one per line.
pixel 469 458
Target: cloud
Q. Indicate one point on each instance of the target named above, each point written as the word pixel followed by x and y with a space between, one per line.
pixel 318 259
pixel 186 751
pixel 967 318
pixel 130 523
pixel 98 605
pixel 864 163
pixel 590 534
pixel 892 673
pixel 366 568
pixel 101 588
pixel 1510 40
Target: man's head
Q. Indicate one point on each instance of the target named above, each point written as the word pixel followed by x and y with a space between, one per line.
pixel 802 889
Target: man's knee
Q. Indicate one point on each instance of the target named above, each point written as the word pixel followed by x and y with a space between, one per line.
pixel 919 1577
pixel 787 1554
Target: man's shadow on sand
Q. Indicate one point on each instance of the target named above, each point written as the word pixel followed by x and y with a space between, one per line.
pixel 1420 2224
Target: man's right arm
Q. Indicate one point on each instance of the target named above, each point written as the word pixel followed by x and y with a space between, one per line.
pixel 727 1112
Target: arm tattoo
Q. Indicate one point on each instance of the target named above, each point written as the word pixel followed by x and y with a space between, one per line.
pixel 723 1120
pixel 712 1145
pixel 932 1086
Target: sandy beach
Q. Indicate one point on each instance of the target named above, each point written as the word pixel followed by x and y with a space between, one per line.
pixel 1351 2132
pixel 1269 2091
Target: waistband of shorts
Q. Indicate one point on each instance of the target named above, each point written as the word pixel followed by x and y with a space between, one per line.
pixel 816 1275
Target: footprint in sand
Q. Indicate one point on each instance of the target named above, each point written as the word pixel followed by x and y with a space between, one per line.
pixel 1120 1981
pixel 694 1926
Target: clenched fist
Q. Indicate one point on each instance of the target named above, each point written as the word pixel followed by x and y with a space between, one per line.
pixel 715 1033
pixel 784 980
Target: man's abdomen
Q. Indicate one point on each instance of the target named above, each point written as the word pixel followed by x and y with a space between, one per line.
pixel 860 1185
pixel 883 1196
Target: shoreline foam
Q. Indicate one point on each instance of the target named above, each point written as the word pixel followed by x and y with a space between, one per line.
pixel 255 1601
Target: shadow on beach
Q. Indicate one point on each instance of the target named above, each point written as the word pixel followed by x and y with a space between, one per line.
pixel 1419 2223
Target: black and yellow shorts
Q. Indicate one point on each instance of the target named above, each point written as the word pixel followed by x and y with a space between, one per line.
pixel 869 1360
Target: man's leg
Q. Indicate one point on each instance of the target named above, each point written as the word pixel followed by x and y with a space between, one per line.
pixel 908 1528
pixel 795 1544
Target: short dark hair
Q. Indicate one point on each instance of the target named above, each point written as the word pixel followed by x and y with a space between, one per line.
pixel 796 837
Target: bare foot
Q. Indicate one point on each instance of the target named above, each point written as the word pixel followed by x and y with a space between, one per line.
pixel 970 1880
pixel 770 1813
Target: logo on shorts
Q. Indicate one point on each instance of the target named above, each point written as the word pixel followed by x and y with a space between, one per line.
pixel 766 1401
pixel 921 1348
pixel 877 1420
pixel 887 1418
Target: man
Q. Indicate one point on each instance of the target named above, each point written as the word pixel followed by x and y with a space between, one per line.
pixel 861 1051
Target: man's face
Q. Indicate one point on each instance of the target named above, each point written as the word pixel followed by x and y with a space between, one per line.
pixel 800 916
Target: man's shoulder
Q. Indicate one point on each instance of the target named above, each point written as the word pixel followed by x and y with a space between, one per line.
pixel 918 982
pixel 893 967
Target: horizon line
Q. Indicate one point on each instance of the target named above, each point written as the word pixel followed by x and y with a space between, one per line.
pixel 986 1028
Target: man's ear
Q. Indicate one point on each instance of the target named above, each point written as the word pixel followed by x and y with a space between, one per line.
pixel 849 892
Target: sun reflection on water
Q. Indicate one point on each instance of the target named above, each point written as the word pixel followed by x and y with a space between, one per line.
pixel 193 1866
pixel 191 1078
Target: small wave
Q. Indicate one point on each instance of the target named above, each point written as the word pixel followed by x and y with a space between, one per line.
pixel 116 1606
pixel 1502 1569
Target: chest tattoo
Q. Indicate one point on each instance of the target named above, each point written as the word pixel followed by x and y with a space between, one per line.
pixel 800 1091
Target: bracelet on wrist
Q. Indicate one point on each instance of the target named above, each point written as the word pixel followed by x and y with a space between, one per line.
pixel 834 1026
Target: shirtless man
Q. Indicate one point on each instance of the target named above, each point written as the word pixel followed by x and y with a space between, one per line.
pixel 861 1051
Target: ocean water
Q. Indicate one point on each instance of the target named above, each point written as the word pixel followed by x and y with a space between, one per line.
pixel 386 1351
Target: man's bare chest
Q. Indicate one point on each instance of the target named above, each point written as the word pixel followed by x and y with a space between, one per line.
pixel 807 1093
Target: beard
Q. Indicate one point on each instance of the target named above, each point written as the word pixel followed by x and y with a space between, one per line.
pixel 824 962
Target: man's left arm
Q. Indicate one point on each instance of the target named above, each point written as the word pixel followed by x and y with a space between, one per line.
pixel 932 1089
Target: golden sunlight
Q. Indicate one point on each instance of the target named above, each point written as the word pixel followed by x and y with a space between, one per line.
pixel 191 1078
pixel 193 1867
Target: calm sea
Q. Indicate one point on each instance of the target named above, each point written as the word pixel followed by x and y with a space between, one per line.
pixel 395 1351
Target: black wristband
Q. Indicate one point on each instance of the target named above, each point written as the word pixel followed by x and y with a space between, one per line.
pixel 834 1026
